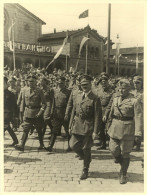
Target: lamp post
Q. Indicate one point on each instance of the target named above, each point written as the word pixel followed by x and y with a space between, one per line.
pixel 39 50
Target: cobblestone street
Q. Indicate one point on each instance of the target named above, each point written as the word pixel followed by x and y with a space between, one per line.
pixel 40 171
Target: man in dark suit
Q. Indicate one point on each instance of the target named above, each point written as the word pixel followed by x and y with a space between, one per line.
pixel 10 111
pixel 87 119
pixel 33 103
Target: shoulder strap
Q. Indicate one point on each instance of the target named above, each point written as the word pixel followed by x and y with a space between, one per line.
pixel 119 108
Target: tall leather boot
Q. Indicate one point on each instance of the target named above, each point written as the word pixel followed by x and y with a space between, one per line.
pixel 52 141
pixel 87 160
pixel 23 141
pixel 118 159
pixel 13 136
pixel 40 136
pixel 68 137
pixel 138 146
pixel 123 171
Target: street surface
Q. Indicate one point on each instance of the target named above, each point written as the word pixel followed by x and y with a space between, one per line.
pixel 41 171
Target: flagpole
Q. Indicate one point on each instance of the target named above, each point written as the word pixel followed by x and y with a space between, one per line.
pixel 13 46
pixel 108 44
pixel 137 59
pixel 66 53
pixel 86 55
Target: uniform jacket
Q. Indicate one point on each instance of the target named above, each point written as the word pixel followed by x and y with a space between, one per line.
pixel 88 115
pixel 10 106
pixel 129 107
pixel 33 102
pixel 60 102
pixel 49 97
pixel 71 101
pixel 19 100
pixel 105 96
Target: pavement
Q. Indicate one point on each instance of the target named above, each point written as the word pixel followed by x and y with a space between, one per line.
pixel 59 171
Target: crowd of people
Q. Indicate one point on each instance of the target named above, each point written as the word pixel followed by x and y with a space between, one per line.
pixel 99 109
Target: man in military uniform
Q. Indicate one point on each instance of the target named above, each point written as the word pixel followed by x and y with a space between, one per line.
pixel 126 115
pixel 138 94
pixel 61 96
pixel 105 95
pixel 34 105
pixel 49 97
pixel 13 88
pixel 10 111
pixel 87 119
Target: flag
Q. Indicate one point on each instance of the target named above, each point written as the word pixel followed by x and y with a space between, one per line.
pixel 9 36
pixel 59 51
pixel 84 14
pixel 82 43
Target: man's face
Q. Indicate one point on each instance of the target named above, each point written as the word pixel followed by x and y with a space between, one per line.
pixel 42 82
pixel 12 83
pixel 137 85
pixel 124 91
pixel 104 83
pixel 86 87
pixel 32 83
pixel 61 84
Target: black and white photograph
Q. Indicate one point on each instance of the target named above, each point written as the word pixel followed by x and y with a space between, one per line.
pixel 72 96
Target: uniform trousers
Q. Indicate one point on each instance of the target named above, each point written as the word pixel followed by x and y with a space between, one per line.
pixel 82 144
pixel 27 125
pixel 121 147
pixel 10 130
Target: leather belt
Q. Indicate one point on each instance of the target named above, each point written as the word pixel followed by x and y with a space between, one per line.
pixel 124 118
pixel 33 107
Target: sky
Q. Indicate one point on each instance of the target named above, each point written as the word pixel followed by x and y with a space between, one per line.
pixel 127 19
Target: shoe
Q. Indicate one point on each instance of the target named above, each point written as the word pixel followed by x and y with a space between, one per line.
pixel 41 147
pixel 80 158
pixel 122 179
pixel 101 147
pixel 20 148
pixel 68 149
pixel 13 144
pixel 49 149
pixel 84 174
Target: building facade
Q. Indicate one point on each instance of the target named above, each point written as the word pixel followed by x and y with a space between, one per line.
pixel 95 50
pixel 24 28
pixel 131 61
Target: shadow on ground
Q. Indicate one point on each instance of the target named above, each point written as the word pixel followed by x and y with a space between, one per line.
pixel 132 177
pixel 19 159
pixel 8 171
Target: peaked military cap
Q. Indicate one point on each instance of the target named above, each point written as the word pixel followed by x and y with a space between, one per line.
pixel 125 83
pixel 85 79
pixel 12 79
pixel 138 79
pixel 60 79
pixel 31 78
